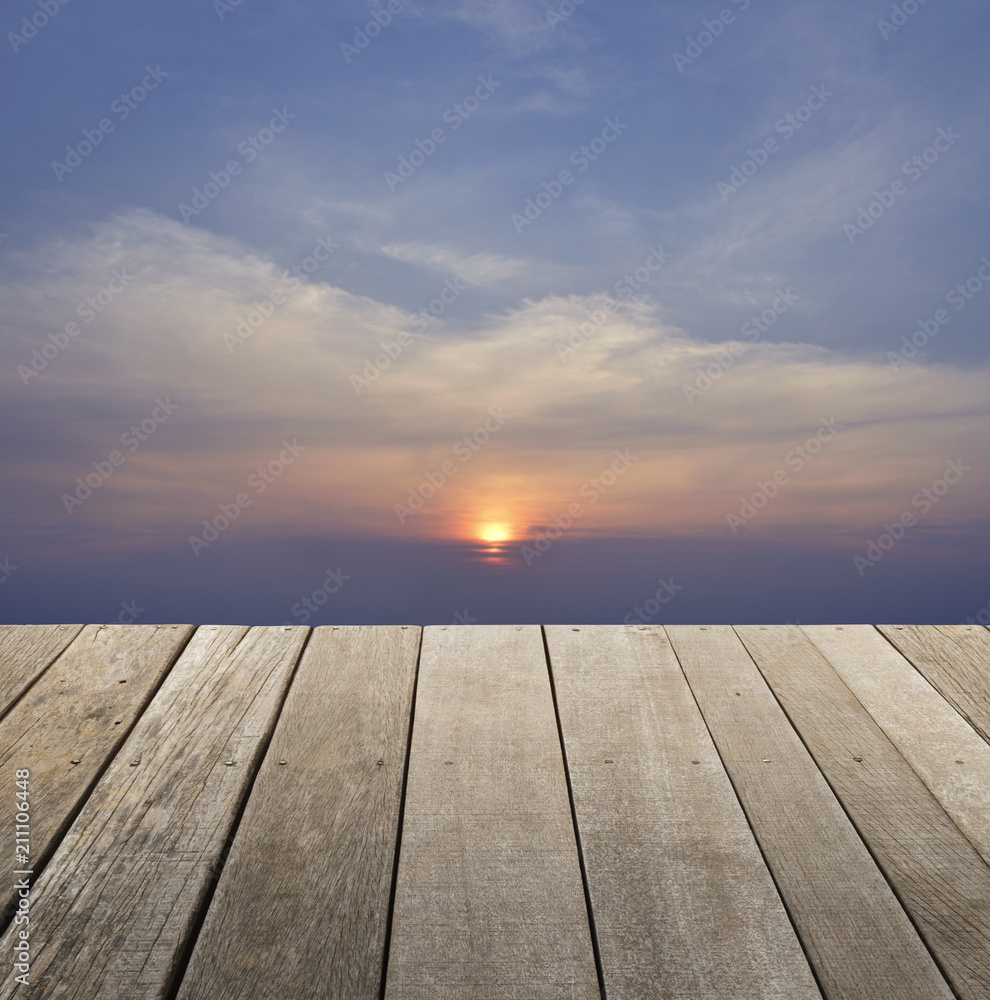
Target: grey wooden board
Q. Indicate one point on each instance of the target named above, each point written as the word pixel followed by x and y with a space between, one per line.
pixel 26 651
pixel 81 709
pixel 683 903
pixel 955 659
pixel 303 899
pixel 114 908
pixel 937 874
pixel 946 752
pixel 489 900
pixel 859 939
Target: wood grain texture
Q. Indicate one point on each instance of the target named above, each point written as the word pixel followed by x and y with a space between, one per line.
pixel 946 752
pixel 937 874
pixel 955 659
pixel 72 721
pixel 856 934
pixel 301 908
pixel 489 900
pixel 26 651
pixel 684 905
pixel 114 908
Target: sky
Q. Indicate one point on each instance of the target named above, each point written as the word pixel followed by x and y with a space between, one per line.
pixel 494 311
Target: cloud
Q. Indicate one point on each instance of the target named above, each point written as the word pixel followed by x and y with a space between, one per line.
pixel 477 269
pixel 546 102
pixel 574 381
pixel 520 25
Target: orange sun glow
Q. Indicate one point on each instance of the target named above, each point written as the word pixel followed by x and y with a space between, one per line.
pixel 494 532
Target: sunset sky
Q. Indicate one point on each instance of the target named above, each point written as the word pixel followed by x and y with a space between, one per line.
pixel 495 311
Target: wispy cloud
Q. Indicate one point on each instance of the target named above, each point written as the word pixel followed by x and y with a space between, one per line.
pixel 520 25
pixel 624 388
pixel 474 269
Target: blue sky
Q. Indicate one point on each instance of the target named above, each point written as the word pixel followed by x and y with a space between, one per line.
pixel 819 167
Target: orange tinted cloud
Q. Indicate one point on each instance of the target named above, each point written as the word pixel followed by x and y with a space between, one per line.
pixel 565 414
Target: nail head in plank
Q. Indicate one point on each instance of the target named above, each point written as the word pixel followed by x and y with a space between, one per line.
pixel 489 900
pixel 955 659
pixel 859 939
pixel 317 838
pixel 684 905
pixel 122 891
pixel 26 651
pixel 930 734
pixel 936 873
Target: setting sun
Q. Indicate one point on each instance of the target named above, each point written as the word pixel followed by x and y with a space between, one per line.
pixel 495 532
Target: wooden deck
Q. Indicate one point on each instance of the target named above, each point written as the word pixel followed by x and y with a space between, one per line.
pixel 496 812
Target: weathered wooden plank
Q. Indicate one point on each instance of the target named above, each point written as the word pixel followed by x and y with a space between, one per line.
pixel 72 721
pixel 858 938
pixel 26 652
pixel 114 908
pixel 955 659
pixel 683 903
pixel 937 874
pixel 489 900
pixel 946 752
pixel 303 900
